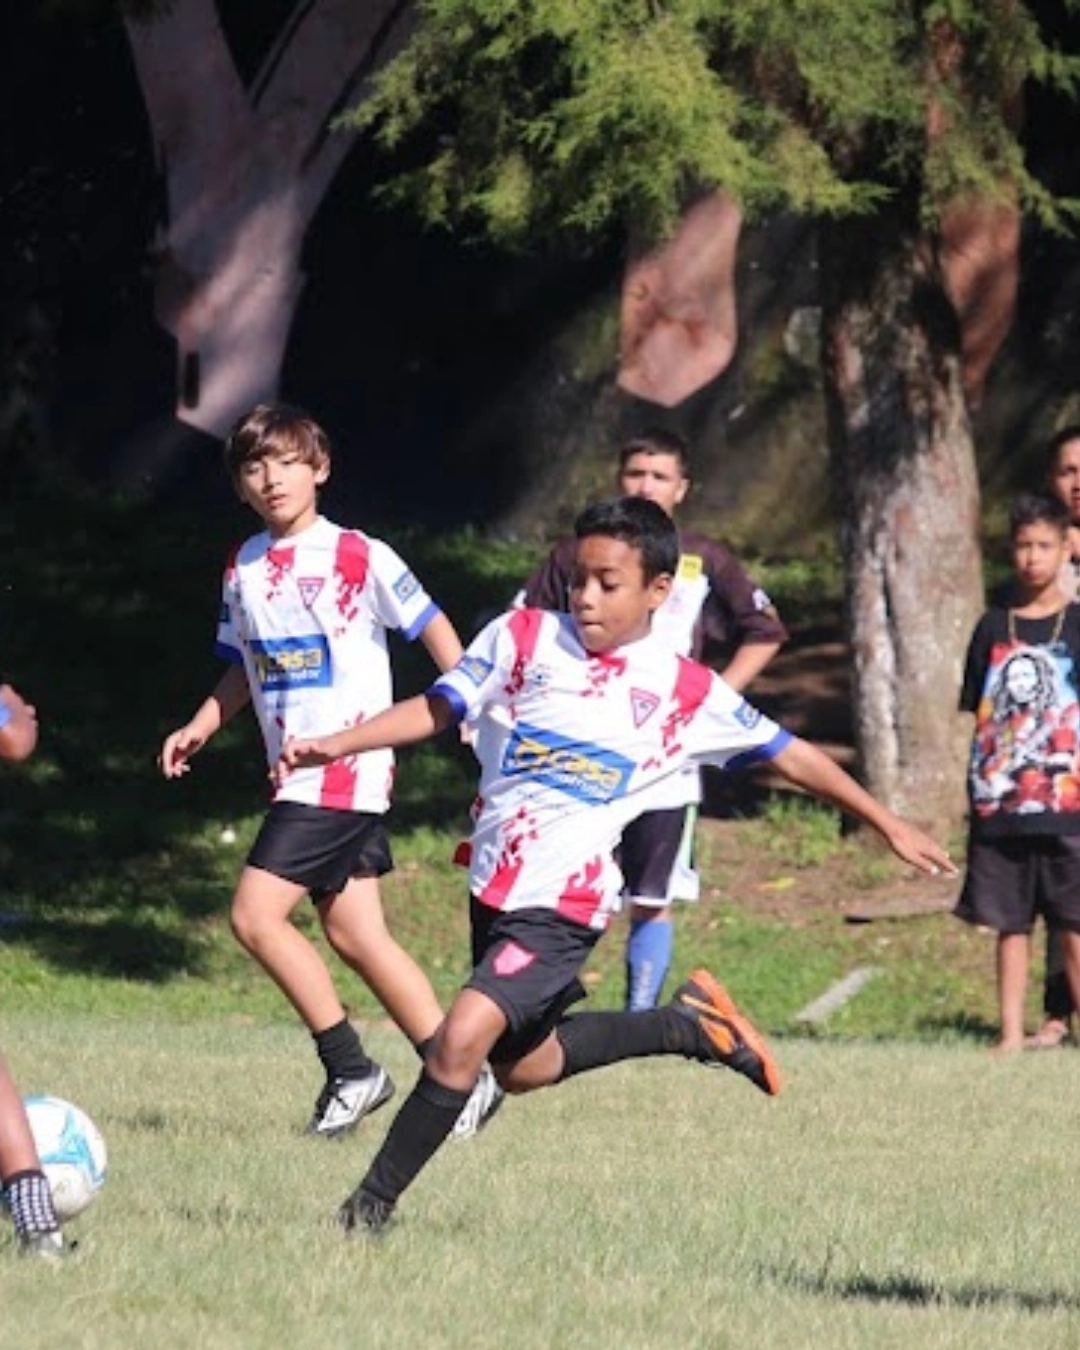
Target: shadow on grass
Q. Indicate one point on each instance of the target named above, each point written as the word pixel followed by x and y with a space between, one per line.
pixel 961 1026
pixel 914 1292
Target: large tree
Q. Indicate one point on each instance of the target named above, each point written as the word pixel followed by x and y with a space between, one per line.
pixel 895 124
pixel 244 166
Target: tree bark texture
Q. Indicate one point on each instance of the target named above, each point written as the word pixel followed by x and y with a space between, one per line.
pixel 244 170
pixel 904 465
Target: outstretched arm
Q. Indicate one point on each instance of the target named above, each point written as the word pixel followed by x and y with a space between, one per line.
pixel 230 694
pixel 810 768
pixel 414 719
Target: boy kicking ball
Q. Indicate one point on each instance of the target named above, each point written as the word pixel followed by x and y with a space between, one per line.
pixel 580 717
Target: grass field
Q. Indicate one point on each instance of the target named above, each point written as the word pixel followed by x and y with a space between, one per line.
pixel 892 1196
pixel 906 1190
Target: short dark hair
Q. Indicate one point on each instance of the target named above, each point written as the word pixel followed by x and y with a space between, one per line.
pixel 1032 508
pixel 1058 441
pixel 641 524
pixel 275 429
pixel 657 441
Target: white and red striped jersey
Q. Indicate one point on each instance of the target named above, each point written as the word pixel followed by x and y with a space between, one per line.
pixel 573 746
pixel 308 617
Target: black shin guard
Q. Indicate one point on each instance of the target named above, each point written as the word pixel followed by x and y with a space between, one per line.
pixel 592 1039
pixel 426 1118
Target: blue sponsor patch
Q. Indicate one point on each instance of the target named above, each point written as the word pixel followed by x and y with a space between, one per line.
pixel 475 669
pixel 747 715
pixel 406 587
pixel 292 663
pixel 590 773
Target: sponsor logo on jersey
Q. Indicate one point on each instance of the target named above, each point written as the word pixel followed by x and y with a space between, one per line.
pixel 292 663
pixel 643 704
pixel 589 773
pixel 406 587
pixel 747 715
pixel 691 566
pixel 475 669
pixel 310 587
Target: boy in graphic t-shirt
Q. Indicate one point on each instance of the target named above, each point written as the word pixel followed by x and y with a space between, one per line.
pixel 1020 681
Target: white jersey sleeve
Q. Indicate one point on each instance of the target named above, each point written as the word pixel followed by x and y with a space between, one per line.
pixel 398 599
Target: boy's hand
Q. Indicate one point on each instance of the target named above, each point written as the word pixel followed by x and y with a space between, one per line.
pixel 178 750
pixel 307 753
pixel 915 847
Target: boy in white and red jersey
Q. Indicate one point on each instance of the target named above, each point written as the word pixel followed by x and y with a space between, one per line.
pixel 579 719
pixel 305 612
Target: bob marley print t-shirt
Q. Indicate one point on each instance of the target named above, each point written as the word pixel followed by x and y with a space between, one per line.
pixel 1020 681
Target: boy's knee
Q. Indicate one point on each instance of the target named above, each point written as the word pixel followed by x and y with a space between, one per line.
pixel 246 928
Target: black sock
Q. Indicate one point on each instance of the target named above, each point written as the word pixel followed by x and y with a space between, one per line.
pixel 592 1039
pixel 426 1117
pixel 30 1201
pixel 341 1053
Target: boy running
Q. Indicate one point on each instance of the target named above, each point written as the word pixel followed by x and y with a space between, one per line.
pixel 579 717
pixel 305 611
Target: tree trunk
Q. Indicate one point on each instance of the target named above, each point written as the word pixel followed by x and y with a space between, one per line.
pixel 904 462
pixel 244 170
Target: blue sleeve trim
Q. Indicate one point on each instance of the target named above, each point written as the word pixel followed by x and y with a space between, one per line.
pixel 418 625
pixel 227 653
pixel 762 753
pixel 457 704
pixel 5 714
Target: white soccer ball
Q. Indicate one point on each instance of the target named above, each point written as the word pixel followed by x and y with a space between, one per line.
pixel 71 1150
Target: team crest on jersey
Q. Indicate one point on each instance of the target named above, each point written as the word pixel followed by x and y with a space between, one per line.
pixel 691 566
pixel 589 773
pixel 406 587
pixel 643 704
pixel 475 669
pixel 291 663
pixel 747 715
pixel 309 588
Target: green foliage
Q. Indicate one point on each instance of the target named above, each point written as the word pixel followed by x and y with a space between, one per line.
pixel 799 830
pixel 545 115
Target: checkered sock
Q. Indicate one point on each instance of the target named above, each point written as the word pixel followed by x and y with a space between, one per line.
pixel 30 1201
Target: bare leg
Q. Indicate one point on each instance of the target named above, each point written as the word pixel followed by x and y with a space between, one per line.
pixel 355 927
pixel 261 920
pixel 1012 968
pixel 1070 945
pixel 18 1152
pixel 1058 1002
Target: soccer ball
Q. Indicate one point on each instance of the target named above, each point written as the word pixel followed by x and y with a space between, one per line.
pixel 71 1150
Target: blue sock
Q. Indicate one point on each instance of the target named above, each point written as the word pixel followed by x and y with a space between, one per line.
pixel 648 956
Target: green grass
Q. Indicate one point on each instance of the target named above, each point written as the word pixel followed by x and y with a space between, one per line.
pixel 892 1196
